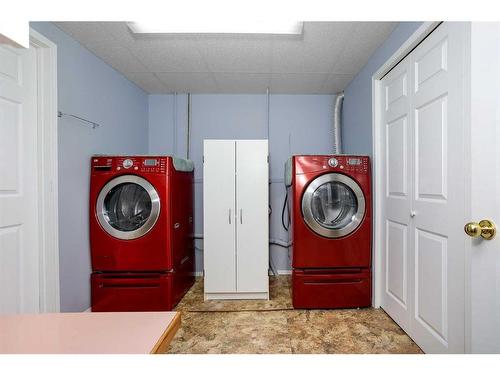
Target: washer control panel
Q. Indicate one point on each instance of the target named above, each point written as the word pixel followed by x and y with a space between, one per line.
pixel 140 164
pixel 349 163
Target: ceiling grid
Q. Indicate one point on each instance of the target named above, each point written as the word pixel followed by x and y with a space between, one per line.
pixel 323 60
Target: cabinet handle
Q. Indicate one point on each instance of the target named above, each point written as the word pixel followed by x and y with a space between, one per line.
pixel 241 215
pixel 229 216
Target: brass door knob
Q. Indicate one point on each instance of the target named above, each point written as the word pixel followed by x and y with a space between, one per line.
pixel 485 228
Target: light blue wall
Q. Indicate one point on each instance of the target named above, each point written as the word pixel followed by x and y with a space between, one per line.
pixel 89 88
pixel 357 111
pixel 298 124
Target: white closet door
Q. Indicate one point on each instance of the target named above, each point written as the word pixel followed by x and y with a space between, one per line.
pixel 424 189
pixel 252 203
pixel 219 216
pixel 438 199
pixel 396 241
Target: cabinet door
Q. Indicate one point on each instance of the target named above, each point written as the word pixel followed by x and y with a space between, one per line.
pixel 252 195
pixel 219 216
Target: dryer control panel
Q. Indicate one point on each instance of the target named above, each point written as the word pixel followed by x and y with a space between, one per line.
pixel 138 164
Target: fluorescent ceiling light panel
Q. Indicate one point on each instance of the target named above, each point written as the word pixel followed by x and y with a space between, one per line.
pixel 214 27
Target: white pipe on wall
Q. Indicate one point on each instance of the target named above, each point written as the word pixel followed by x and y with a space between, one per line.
pixel 174 130
pixel 337 123
pixel 188 136
pixel 268 102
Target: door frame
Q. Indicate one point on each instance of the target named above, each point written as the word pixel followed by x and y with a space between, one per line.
pixel 46 65
pixel 378 228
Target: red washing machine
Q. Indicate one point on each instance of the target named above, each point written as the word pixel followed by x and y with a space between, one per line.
pixel 141 232
pixel 331 225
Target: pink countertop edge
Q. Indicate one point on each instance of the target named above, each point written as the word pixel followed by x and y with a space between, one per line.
pixel 83 333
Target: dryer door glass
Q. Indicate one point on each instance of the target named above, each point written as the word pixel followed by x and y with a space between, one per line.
pixel 333 205
pixel 128 207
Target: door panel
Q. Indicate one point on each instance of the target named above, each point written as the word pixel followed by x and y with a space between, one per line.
pixel 431 151
pixel 396 122
pixel 219 216
pixel 252 176
pixel 19 259
pixel 397 151
pixel 431 62
pixel 333 205
pixel 483 325
pixel 128 207
pixel 424 248
pixel 438 322
pixel 431 284
pixel 396 262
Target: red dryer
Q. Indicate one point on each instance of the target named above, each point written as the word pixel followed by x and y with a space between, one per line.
pixel 331 226
pixel 141 232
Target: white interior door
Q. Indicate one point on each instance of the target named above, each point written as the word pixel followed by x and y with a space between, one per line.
pixel 484 294
pixel 397 193
pixel 424 219
pixel 252 205
pixel 219 216
pixel 19 253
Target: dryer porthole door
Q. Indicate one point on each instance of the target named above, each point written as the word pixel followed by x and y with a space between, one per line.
pixel 128 207
pixel 333 205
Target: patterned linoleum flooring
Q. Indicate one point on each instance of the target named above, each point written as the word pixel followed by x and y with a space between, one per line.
pixel 272 326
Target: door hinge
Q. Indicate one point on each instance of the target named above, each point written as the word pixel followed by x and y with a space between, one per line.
pixel 267 159
pixel 203 159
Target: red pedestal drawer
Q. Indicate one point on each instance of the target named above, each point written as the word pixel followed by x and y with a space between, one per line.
pixel 132 292
pixel 328 289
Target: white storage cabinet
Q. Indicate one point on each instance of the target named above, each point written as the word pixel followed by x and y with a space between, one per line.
pixel 235 219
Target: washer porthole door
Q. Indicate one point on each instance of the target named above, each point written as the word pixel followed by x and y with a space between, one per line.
pixel 128 207
pixel 333 205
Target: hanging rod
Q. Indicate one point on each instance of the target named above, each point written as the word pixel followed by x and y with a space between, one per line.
pixel 94 124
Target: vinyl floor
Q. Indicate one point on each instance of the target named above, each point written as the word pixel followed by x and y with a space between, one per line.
pixel 245 327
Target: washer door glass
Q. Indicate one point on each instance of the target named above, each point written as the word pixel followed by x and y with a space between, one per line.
pixel 333 205
pixel 128 207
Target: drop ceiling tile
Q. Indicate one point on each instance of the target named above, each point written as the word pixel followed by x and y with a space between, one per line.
pixel 189 82
pixel 324 48
pixel 336 83
pixel 149 83
pixel 365 39
pixel 242 83
pixel 87 33
pixel 169 55
pixel 236 54
pixel 119 58
pixel 94 37
pixel 119 31
pixel 317 52
pixel 290 83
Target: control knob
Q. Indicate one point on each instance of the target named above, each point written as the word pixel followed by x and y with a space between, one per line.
pixel 332 162
pixel 127 163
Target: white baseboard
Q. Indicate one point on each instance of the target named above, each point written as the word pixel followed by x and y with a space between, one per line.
pixel 256 295
pixel 284 272
pixel 280 272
